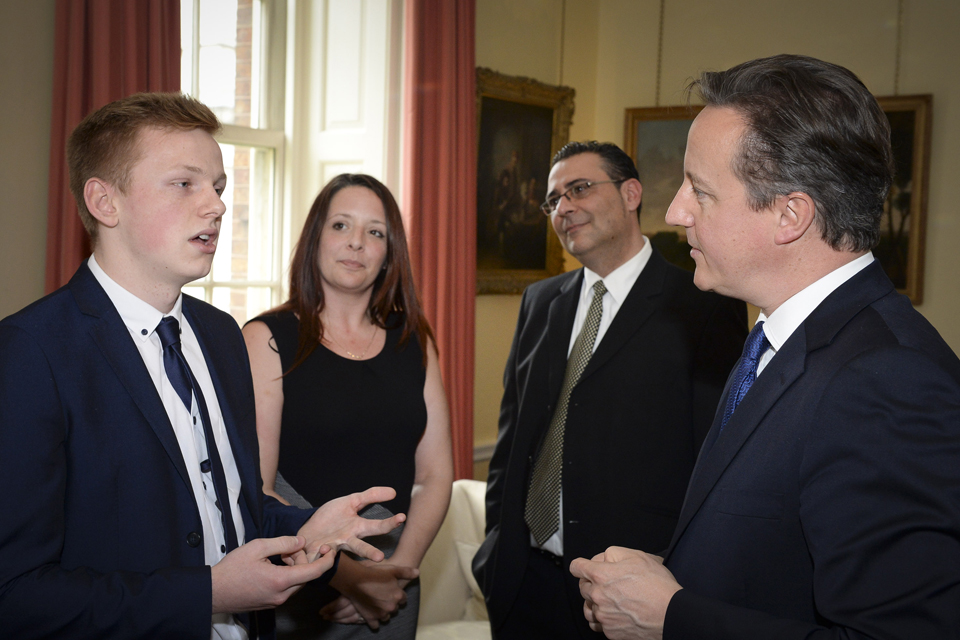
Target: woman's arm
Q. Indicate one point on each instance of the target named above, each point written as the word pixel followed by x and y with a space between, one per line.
pixel 433 477
pixel 268 392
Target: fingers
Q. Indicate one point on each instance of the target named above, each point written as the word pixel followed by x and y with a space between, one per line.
pixel 282 546
pixel 316 549
pixel 363 549
pixel 616 554
pixel 380 527
pixel 340 604
pixel 406 573
pixel 299 574
pixel 579 568
pixel 345 613
pixel 375 494
pixel 298 557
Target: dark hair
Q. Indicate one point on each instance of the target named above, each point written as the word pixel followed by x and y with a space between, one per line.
pixel 812 127
pixel 394 297
pixel 615 162
pixel 104 144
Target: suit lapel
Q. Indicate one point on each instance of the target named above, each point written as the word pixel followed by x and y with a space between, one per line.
pixel 560 317
pixel 112 338
pixel 242 442
pixel 633 313
pixel 816 332
pixel 783 370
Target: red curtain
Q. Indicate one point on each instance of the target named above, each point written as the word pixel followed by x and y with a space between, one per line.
pixel 105 50
pixel 440 192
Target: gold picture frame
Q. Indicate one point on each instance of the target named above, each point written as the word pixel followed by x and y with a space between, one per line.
pixel 904 225
pixel 521 124
pixel 655 137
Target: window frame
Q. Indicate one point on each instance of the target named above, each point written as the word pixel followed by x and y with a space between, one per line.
pixel 271 20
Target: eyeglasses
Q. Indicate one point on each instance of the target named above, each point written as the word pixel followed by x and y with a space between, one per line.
pixel 578 191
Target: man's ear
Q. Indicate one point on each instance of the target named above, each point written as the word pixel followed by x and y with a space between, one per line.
pixel 632 192
pixel 99 197
pixel 797 212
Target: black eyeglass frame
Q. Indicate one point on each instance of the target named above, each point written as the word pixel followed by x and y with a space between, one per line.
pixel 577 192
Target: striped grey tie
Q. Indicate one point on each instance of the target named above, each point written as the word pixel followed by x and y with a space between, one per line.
pixel 542 513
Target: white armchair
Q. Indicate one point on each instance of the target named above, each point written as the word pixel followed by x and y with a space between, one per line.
pixel 451 605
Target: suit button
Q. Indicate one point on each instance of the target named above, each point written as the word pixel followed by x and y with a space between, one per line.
pixel 193 539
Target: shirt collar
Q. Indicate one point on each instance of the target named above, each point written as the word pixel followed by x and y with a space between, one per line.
pixel 620 281
pixel 784 321
pixel 140 317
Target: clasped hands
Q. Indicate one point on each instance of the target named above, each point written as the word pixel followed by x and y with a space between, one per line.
pixel 246 580
pixel 371 593
pixel 625 592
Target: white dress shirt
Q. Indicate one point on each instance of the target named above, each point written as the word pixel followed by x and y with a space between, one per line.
pixel 784 321
pixel 618 282
pixel 142 320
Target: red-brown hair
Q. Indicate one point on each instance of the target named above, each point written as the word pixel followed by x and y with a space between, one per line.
pixel 393 294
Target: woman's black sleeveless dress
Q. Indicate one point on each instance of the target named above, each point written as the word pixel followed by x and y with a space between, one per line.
pixel 348 425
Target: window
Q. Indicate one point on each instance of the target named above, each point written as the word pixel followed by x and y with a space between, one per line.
pixel 306 90
pixel 224 64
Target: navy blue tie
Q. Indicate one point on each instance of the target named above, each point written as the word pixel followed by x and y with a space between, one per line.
pixel 181 377
pixel 754 348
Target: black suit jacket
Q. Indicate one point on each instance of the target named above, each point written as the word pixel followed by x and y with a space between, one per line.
pixel 98 537
pixel 634 424
pixel 829 507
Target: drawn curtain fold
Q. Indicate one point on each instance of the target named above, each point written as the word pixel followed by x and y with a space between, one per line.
pixel 105 50
pixel 440 193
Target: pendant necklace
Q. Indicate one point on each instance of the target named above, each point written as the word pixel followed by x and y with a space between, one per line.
pixel 362 353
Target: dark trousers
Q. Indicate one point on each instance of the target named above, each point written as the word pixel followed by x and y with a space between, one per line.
pixel 548 605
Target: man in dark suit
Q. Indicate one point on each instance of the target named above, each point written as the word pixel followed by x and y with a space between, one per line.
pixel 634 418
pixel 826 500
pixel 128 446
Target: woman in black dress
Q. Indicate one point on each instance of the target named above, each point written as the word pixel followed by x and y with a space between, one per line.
pixel 348 394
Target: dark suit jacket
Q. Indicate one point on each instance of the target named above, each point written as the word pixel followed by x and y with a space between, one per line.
pixel 99 533
pixel 634 424
pixel 829 507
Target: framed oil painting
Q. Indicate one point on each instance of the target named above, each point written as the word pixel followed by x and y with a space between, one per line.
pixel 656 139
pixel 521 124
pixel 904 222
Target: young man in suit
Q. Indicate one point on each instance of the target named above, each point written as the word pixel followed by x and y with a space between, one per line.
pixel 611 447
pixel 127 439
pixel 826 500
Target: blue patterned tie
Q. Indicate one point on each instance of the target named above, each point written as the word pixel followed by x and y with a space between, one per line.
pixel 183 382
pixel 756 345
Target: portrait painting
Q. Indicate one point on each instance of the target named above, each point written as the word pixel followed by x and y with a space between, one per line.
pixel 522 123
pixel 656 139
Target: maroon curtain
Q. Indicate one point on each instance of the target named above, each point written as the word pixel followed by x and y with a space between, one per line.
pixel 105 50
pixel 440 192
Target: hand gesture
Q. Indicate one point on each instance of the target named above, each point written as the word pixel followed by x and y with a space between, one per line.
pixel 246 580
pixel 625 593
pixel 371 593
pixel 337 524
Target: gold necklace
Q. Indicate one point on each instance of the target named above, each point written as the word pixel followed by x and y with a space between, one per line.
pixel 350 353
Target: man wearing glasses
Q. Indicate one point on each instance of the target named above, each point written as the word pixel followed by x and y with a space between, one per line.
pixel 613 379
